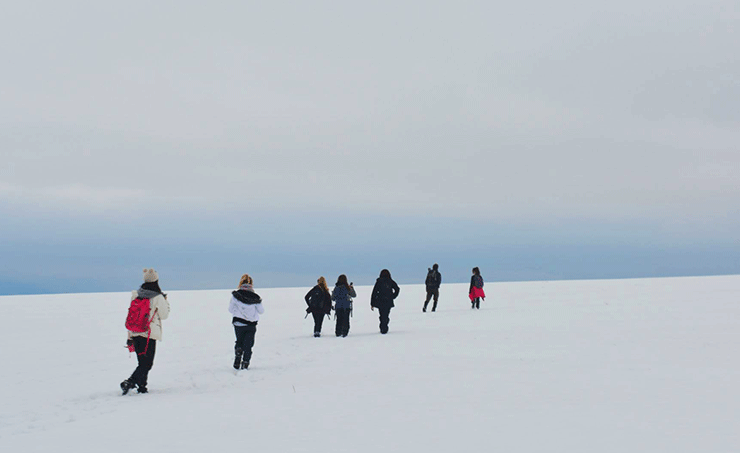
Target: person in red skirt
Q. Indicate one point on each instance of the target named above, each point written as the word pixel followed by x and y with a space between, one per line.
pixel 476 292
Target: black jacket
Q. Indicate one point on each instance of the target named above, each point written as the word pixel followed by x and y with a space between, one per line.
pixel 434 279
pixel 384 291
pixel 318 300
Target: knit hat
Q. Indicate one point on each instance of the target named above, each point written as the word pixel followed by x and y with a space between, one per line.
pixel 150 275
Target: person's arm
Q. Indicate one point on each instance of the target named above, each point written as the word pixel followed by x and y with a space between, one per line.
pixel 396 290
pixel 352 292
pixel 163 308
pixel 471 284
pixel 259 307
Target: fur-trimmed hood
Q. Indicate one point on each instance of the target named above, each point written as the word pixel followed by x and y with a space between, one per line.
pixel 246 297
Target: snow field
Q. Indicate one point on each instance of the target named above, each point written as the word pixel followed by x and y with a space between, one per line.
pixel 581 366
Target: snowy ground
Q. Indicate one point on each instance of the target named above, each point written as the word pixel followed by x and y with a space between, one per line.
pixel 582 366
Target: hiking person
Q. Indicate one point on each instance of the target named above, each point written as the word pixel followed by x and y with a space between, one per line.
pixel 434 279
pixel 149 306
pixel 319 304
pixel 246 307
pixel 384 291
pixel 476 292
pixel 342 296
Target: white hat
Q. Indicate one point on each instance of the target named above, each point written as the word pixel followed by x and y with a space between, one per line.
pixel 150 275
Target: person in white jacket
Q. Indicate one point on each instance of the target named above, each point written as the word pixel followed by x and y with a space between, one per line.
pixel 145 343
pixel 246 308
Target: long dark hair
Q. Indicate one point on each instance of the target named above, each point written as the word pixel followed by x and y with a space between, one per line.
pixel 476 271
pixel 152 286
pixel 342 281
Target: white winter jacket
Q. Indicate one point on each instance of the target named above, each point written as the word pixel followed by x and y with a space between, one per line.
pixel 247 311
pixel 160 309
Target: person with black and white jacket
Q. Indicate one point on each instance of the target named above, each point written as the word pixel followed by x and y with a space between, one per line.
pixel 145 343
pixel 246 308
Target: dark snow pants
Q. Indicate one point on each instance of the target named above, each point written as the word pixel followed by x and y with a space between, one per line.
pixel 342 315
pixel 432 292
pixel 146 360
pixel 318 321
pixel 245 340
pixel 384 319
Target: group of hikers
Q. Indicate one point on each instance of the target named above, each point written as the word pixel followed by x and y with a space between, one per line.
pixel 149 306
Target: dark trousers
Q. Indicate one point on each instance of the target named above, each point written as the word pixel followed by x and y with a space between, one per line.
pixel 245 340
pixel 384 318
pixel 318 321
pixel 146 360
pixel 342 315
pixel 476 303
pixel 432 292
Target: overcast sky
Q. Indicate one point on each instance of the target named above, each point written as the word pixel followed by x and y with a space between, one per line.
pixel 288 140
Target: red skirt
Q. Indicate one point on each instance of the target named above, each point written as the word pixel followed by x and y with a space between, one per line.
pixel 477 292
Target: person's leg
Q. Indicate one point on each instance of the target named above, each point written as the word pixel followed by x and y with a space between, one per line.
pixel 145 356
pixel 426 301
pixel 318 320
pixel 477 302
pixel 384 319
pixel 251 330
pixel 436 298
pixel 339 318
pixel 240 332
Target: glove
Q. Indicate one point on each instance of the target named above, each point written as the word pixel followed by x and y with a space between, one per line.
pixel 130 345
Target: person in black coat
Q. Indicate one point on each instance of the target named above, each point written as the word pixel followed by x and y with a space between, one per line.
pixel 384 291
pixel 434 279
pixel 319 304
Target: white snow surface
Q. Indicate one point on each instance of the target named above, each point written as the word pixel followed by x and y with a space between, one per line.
pixel 645 365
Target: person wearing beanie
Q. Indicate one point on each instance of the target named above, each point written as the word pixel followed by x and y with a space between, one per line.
pixel 319 304
pixel 245 307
pixel 145 343
pixel 434 279
pixel 476 292
pixel 384 291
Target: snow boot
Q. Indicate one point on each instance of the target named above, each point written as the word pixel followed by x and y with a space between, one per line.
pixel 126 386
pixel 317 334
pixel 238 358
pixel 245 365
pixel 142 389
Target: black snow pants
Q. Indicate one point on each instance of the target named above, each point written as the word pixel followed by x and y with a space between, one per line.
pixel 245 340
pixel 146 360
pixel 318 321
pixel 432 292
pixel 342 315
pixel 384 318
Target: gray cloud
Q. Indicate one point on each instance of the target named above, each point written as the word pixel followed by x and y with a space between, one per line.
pixel 521 114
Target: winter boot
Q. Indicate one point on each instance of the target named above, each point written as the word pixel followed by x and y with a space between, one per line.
pixel 142 389
pixel 126 386
pixel 238 358
pixel 245 365
pixel 317 334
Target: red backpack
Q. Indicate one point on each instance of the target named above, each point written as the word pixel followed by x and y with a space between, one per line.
pixel 138 319
pixel 138 315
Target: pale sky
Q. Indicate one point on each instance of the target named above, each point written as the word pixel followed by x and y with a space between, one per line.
pixel 295 139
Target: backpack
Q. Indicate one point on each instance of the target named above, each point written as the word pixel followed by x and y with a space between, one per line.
pixel 477 281
pixel 432 277
pixel 138 319
pixel 317 299
pixel 138 315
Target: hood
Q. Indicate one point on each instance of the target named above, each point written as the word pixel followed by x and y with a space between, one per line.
pixel 147 294
pixel 246 297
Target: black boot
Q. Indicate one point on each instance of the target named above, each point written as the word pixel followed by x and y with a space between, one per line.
pixel 142 389
pixel 238 358
pixel 126 386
